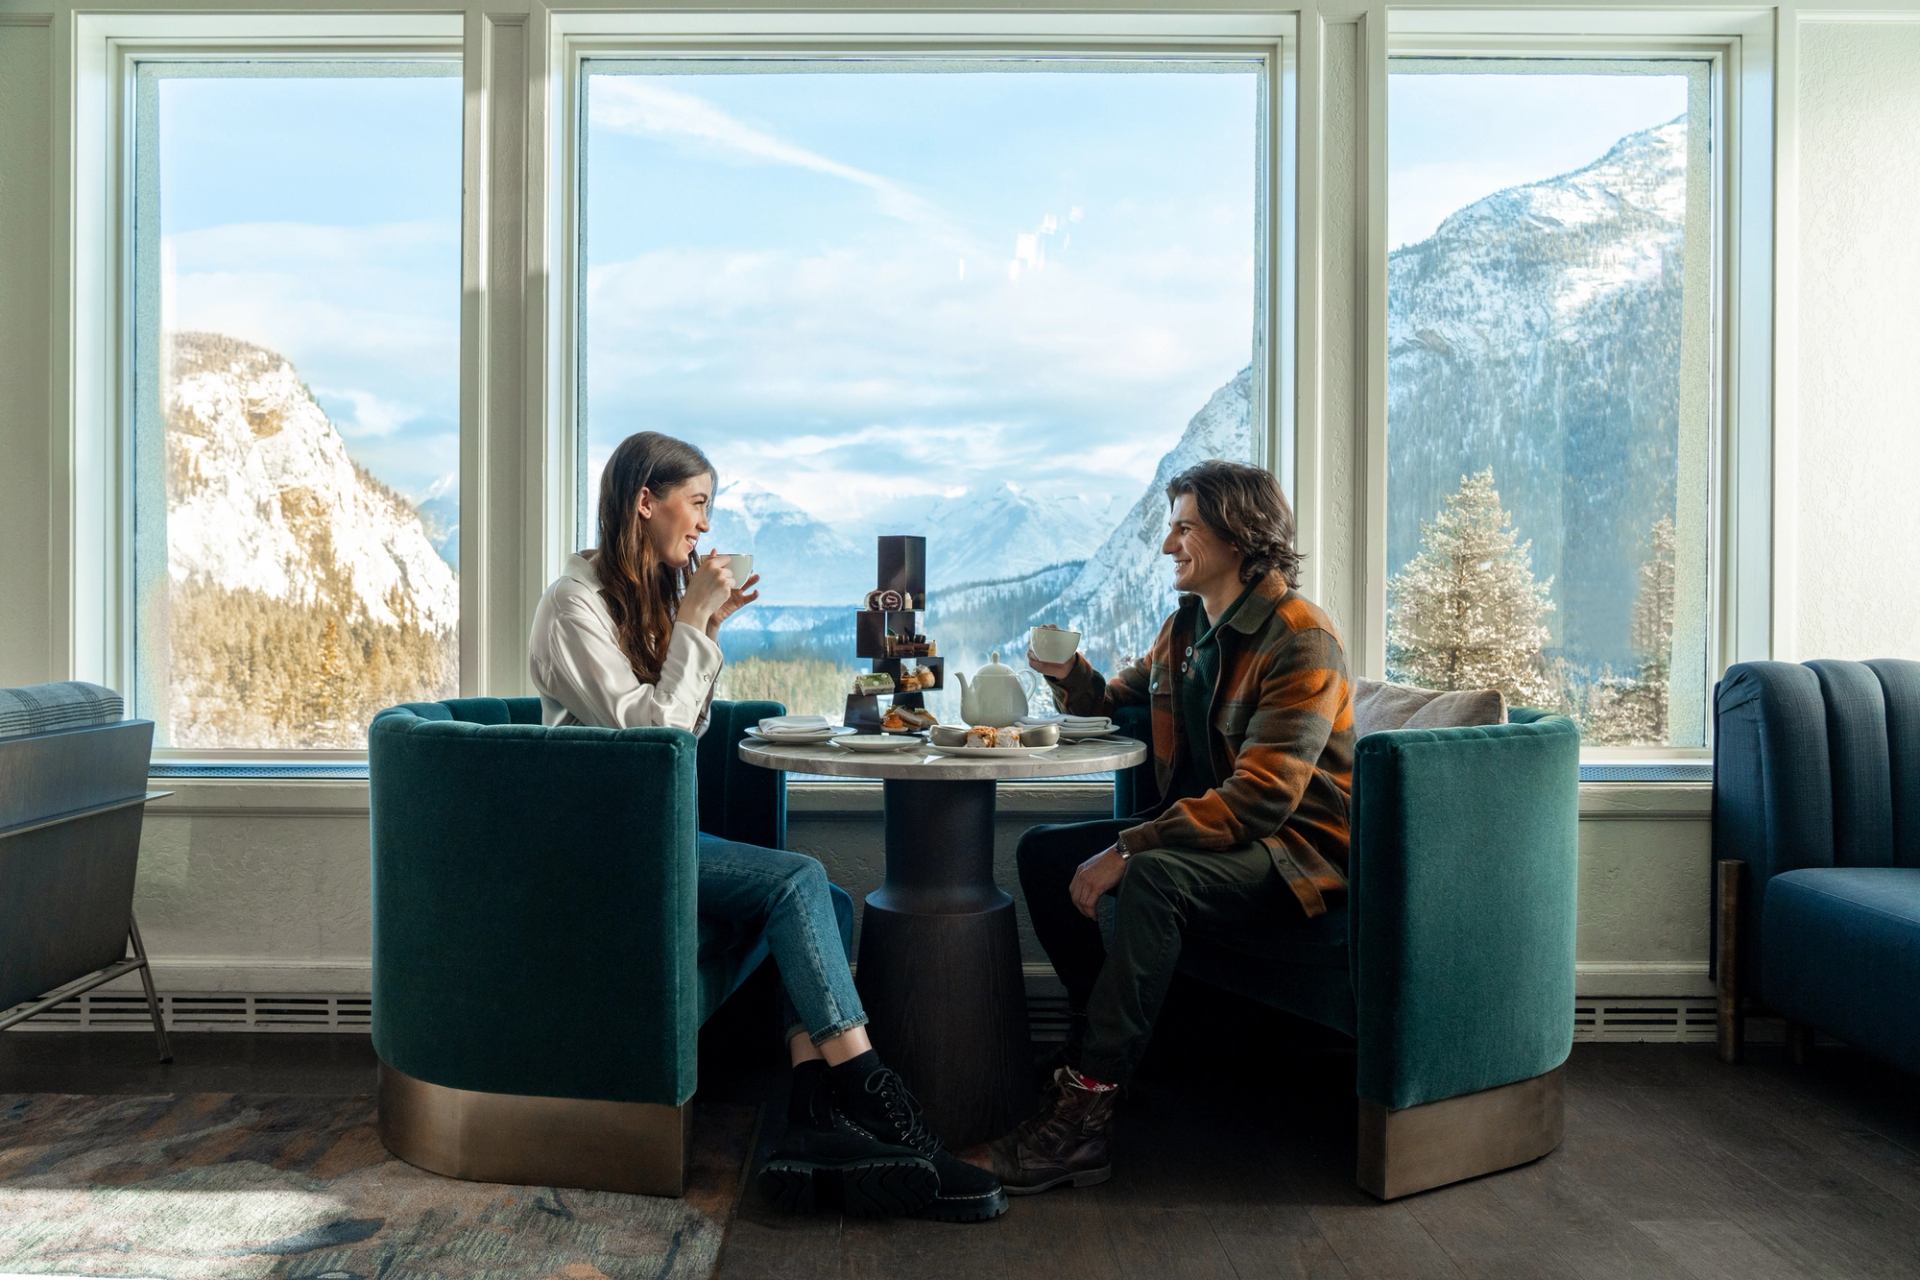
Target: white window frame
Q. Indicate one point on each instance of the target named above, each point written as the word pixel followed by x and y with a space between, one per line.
pixel 99 404
pixel 1739 44
pixel 572 38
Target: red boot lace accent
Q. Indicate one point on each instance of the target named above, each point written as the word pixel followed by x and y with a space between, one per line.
pixel 1091 1085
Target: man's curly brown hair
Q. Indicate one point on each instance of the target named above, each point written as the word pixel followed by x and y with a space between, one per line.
pixel 1244 505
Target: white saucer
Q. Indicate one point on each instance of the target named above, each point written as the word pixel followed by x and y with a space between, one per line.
pixel 822 735
pixel 879 743
pixel 990 752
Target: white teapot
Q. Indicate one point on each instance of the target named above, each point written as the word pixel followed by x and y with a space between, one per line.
pixel 996 696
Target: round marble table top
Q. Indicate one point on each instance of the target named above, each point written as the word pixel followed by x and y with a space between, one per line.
pixel 1069 758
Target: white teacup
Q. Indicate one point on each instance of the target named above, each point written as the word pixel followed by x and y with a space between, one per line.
pixel 742 566
pixel 1051 644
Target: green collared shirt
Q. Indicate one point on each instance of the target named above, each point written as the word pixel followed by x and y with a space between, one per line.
pixel 1199 673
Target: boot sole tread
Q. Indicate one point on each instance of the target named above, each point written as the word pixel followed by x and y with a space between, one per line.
pixel 864 1188
pixel 983 1208
pixel 1074 1177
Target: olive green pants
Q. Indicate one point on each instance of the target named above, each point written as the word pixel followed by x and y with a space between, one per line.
pixel 1121 983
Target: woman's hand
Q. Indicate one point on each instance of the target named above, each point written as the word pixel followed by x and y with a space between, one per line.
pixel 742 595
pixel 1053 670
pixel 1098 875
pixel 707 591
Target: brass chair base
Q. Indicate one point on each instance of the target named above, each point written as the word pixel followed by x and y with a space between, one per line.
pixel 636 1147
pixel 1419 1148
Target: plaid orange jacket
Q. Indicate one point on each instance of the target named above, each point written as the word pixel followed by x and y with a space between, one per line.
pixel 1281 749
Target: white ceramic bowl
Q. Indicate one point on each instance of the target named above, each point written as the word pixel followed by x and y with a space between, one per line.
pixel 1050 644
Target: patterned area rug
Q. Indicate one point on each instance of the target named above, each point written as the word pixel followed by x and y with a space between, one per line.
pixel 236 1185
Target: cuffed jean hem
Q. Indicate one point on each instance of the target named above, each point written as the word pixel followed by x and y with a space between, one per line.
pixel 839 1028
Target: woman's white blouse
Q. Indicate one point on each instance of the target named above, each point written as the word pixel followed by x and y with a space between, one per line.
pixel 584 678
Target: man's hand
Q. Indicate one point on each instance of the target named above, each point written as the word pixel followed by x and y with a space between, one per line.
pixel 1097 875
pixel 1056 670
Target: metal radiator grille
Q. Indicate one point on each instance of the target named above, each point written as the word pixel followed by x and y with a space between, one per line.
pixel 1617 1020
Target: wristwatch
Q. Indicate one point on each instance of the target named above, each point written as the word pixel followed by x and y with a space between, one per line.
pixel 1120 846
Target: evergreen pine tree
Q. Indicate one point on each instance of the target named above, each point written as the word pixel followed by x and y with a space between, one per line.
pixel 1466 612
pixel 1653 627
pixel 331 686
pixel 1632 711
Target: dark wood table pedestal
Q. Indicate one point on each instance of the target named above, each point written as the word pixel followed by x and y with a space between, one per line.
pixel 939 966
pixel 939 963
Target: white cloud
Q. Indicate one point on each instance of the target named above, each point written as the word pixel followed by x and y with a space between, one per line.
pixel 868 369
pixel 633 105
pixel 367 414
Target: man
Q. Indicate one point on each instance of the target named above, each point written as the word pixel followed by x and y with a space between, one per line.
pixel 1252 717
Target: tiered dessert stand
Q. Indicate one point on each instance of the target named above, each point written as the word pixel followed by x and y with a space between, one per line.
pixel 884 635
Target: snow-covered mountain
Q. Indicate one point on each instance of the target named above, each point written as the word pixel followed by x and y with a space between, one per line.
pixel 1125 589
pixel 1005 533
pixel 263 496
pixel 439 509
pixel 801 560
pixel 1537 331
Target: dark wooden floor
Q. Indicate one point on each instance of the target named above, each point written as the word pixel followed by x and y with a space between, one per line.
pixel 1674 1166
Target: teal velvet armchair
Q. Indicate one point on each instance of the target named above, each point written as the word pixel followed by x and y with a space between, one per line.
pixel 539 973
pixel 1451 964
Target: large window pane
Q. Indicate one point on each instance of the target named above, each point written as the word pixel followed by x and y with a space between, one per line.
pixel 297 292
pixel 990 303
pixel 1549 387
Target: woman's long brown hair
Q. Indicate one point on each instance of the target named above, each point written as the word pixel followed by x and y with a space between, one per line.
pixel 641 590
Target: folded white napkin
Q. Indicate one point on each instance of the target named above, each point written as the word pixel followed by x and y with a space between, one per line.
pixel 1075 724
pixel 789 724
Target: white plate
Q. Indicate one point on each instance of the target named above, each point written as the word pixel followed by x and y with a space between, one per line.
pixel 991 751
pixel 879 742
pixel 823 735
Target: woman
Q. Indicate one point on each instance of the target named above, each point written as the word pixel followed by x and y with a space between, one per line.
pixel 626 637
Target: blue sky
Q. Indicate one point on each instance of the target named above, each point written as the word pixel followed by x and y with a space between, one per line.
pixel 281 225
pixel 1452 139
pixel 908 285
pixel 839 284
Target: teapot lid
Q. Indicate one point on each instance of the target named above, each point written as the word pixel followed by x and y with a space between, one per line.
pixel 994 667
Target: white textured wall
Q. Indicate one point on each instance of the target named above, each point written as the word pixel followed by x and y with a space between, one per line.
pixel 1858 518
pixel 1341 357
pixel 25 157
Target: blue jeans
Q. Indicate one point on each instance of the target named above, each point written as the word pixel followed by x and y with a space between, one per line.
pixel 808 922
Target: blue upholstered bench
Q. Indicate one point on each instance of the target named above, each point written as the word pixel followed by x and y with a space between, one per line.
pixel 1816 844
pixel 540 975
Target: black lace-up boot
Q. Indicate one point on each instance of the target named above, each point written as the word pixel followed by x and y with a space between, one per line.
pixel 874 1100
pixel 825 1163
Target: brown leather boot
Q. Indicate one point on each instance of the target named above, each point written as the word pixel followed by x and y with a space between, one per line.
pixel 1066 1140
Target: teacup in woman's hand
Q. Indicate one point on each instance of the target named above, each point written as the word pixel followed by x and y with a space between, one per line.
pixel 742 566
